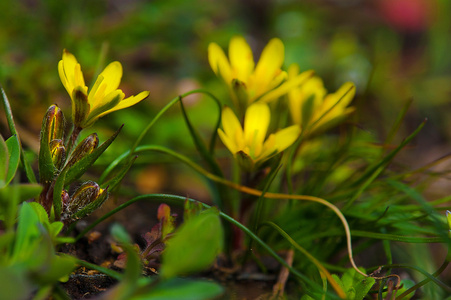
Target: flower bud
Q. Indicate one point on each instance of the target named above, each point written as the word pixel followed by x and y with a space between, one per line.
pixel 53 124
pixel 58 152
pixel 87 198
pixel 84 148
pixel 52 129
pixel 85 194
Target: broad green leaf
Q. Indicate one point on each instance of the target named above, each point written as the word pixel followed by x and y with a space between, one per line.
pixel 14 284
pixel 194 246
pixel 26 191
pixel 185 289
pixel 14 157
pixel 3 162
pixel 27 232
pixel 58 269
pixel 355 285
pixel 53 228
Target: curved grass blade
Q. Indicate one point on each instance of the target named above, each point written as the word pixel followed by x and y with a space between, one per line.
pixel 114 182
pixel 372 173
pixel 255 192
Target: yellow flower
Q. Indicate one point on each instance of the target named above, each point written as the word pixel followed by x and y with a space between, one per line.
pixel 313 109
pixel 249 144
pixel 104 97
pixel 265 82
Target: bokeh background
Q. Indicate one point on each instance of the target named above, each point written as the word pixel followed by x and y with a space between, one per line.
pixel 395 51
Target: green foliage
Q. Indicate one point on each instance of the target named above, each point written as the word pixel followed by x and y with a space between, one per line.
pixel 355 285
pixel 9 159
pixel 195 245
pixel 178 288
pixel 348 168
pixel 29 263
pixel 132 286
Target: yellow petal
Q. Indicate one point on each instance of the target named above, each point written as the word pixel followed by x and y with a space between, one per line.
pixel 105 106
pixel 63 78
pixel 228 141
pixel 346 93
pixel 288 85
pixel 231 124
pixel 286 137
pixel 293 70
pixel 112 75
pixel 268 148
pixel 277 80
pixel 97 92
pixel 270 62
pixel 340 98
pixel 127 102
pixel 241 58
pixel 219 63
pixel 70 70
pixel 256 122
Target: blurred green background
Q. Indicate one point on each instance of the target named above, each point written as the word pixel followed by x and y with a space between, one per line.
pixel 394 50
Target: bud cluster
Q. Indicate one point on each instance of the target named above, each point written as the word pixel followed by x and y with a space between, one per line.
pixel 57 160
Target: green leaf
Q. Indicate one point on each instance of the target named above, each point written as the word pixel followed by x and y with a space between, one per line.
pixel 3 162
pixel 14 157
pixel 186 289
pixel 11 196
pixel 194 246
pixel 80 167
pixel 14 284
pixel 58 269
pixel 26 191
pixel 355 285
pixel 27 232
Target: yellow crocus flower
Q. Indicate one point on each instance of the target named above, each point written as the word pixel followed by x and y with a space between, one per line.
pixel 265 82
pixel 313 109
pixel 104 97
pixel 248 143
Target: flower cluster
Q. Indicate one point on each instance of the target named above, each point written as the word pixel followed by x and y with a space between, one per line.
pixel 63 160
pixel 254 87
